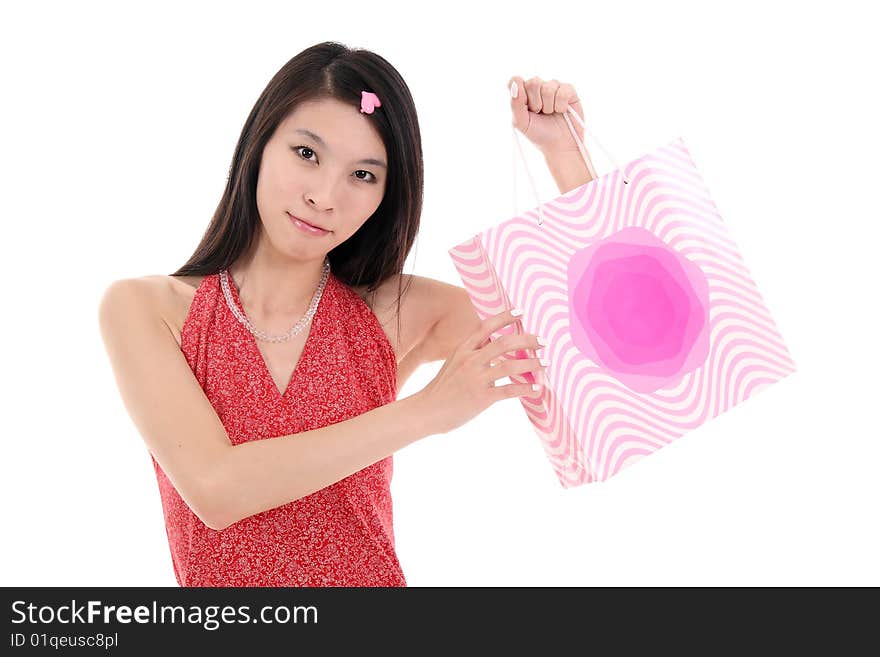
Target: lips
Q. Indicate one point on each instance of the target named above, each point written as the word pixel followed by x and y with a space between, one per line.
pixel 307 222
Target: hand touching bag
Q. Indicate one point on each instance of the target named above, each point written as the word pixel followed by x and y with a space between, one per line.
pixel 465 385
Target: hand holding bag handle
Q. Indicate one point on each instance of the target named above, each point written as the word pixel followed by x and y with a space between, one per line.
pixel 581 148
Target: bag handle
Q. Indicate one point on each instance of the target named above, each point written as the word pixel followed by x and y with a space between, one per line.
pixel 581 148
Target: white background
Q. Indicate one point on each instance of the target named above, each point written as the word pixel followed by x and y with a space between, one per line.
pixel 119 122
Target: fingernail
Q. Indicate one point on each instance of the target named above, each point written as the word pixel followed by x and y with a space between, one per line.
pixel 541 342
pixel 536 386
pixel 514 90
pixel 516 312
pixel 544 362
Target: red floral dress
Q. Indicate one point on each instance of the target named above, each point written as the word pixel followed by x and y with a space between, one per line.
pixel 341 535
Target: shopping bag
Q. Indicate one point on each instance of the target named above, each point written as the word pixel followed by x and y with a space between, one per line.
pixel 652 322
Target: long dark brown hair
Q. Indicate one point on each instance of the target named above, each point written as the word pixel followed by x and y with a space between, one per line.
pixel 379 248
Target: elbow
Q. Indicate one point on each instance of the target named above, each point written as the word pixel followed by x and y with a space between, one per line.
pixel 217 502
pixel 214 510
pixel 216 526
pixel 213 517
pixel 213 521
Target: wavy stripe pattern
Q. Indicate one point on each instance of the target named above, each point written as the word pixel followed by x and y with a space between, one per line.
pixel 590 424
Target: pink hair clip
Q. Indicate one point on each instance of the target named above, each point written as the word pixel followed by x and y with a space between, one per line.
pixel 369 102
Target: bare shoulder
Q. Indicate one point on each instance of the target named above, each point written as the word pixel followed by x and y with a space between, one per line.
pixel 423 301
pixel 429 296
pixel 448 317
pixel 168 297
pixel 175 295
pixel 413 291
pixel 386 294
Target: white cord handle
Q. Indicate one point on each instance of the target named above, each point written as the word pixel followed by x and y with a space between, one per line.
pixel 581 148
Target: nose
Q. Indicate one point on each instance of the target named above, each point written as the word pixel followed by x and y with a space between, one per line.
pixel 315 205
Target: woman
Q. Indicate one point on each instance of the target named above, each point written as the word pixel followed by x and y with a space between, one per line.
pixel 263 374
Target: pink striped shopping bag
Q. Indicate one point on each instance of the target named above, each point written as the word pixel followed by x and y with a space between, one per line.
pixel 652 322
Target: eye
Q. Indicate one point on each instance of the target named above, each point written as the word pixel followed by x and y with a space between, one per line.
pixel 303 147
pixel 296 150
pixel 368 173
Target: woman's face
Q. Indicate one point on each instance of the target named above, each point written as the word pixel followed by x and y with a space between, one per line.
pixel 321 177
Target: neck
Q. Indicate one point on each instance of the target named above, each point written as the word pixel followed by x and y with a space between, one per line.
pixel 277 289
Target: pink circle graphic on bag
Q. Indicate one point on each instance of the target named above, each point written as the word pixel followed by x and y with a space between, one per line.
pixel 639 309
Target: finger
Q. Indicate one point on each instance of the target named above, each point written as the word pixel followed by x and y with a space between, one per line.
pixel 548 96
pixel 566 97
pixel 516 366
pixel 490 325
pixel 533 91
pixel 517 390
pixel 518 105
pixel 509 346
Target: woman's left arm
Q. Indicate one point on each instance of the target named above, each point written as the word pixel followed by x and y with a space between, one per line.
pixel 568 170
pixel 538 110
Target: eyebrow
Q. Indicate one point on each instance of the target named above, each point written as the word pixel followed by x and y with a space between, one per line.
pixel 369 160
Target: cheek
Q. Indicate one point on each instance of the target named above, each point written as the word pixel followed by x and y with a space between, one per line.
pixel 271 186
pixel 286 183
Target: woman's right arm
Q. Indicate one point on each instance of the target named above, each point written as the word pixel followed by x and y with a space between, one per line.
pixel 220 482
pixel 223 483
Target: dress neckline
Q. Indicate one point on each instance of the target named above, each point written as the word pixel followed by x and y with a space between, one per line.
pixel 251 339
